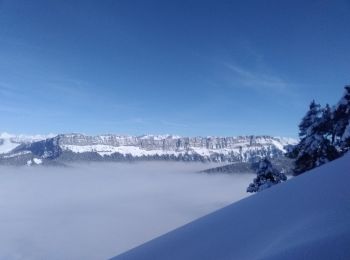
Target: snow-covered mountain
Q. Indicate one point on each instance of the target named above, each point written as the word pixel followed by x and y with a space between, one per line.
pixel 71 147
pixel 308 217
pixel 8 142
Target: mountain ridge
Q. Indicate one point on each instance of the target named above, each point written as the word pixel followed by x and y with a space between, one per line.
pixel 112 147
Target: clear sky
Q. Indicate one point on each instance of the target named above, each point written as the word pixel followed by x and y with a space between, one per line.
pixel 183 67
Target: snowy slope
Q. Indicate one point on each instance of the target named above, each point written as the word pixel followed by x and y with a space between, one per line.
pixel 8 142
pixel 6 145
pixel 306 218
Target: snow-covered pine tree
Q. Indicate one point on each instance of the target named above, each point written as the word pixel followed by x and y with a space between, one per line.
pixel 324 135
pixel 325 124
pixel 314 150
pixel 267 176
pixel 342 118
pixel 306 125
pixel 317 135
pixel 309 120
pixel 346 139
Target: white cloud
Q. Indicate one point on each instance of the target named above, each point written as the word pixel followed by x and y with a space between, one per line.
pixel 257 80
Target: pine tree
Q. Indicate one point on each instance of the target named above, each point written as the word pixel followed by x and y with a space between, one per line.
pixel 309 120
pixel 324 135
pixel 325 125
pixel 342 121
pixel 314 150
pixel 306 126
pixel 267 176
pixel 316 146
pixel 346 139
pixel 342 117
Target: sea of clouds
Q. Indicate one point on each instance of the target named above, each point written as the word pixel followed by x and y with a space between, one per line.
pixel 96 211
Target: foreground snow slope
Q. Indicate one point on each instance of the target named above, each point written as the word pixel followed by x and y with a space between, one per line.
pixel 306 218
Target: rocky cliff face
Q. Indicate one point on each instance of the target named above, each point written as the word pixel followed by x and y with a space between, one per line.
pixel 150 147
pixel 173 143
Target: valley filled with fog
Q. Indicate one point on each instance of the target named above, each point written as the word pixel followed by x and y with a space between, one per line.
pixel 96 211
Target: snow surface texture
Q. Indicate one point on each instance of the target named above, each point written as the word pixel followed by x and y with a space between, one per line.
pixel 307 217
pixel 95 211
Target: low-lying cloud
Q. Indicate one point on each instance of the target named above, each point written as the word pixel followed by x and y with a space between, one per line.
pixel 96 211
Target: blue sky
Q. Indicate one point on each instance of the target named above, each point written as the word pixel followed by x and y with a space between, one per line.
pixel 184 67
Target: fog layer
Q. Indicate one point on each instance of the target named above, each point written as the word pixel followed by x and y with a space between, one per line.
pixel 96 211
